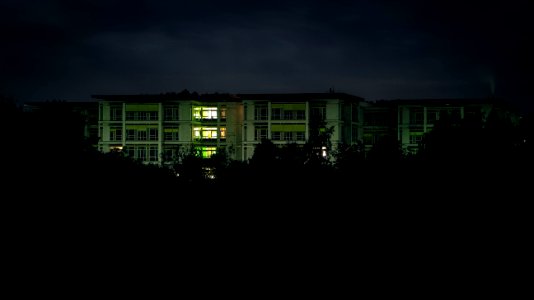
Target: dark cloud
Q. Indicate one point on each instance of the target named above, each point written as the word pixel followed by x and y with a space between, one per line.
pixel 374 49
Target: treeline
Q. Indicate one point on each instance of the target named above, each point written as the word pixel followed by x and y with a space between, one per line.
pixel 46 151
pixel 475 179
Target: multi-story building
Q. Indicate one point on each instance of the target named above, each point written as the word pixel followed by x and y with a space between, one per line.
pixel 155 128
pixel 410 119
pixel 289 118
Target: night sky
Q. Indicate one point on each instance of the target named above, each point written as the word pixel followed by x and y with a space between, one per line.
pixel 375 49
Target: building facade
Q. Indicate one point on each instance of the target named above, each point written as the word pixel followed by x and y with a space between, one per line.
pixel 290 118
pixel 157 128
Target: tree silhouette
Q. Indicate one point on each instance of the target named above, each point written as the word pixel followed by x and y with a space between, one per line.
pixel 318 147
pixel 265 155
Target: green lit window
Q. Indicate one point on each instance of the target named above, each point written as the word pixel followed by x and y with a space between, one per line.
pixel 207 152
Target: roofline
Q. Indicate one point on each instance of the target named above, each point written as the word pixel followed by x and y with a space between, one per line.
pixel 303 96
pixel 216 97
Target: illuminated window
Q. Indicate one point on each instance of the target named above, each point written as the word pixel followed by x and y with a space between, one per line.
pixel 223 133
pixel 209 133
pixel 117 148
pixel 196 133
pixel 207 152
pixel 205 113
pixel 223 113
pixel 205 133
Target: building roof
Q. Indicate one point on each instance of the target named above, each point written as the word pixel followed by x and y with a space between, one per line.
pixel 183 96
pixel 72 105
pixel 299 97
pixel 439 101
pixel 216 97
